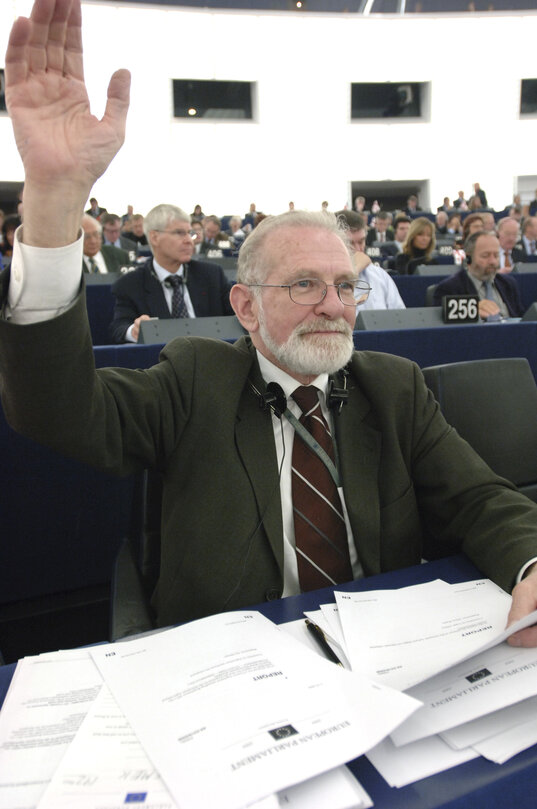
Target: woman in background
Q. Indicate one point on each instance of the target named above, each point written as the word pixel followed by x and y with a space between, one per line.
pixel 418 247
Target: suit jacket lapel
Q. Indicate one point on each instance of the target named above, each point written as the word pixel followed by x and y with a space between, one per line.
pixel 359 447
pixel 156 301
pixel 255 444
pixel 197 289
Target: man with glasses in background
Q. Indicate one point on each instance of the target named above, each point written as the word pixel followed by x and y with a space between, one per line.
pixel 111 224
pixel 287 458
pixel 169 284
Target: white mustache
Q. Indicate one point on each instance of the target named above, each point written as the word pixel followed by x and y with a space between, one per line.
pixel 322 324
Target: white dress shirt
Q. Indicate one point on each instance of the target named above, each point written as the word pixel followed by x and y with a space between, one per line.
pixel 284 435
pixel 99 261
pixel 384 293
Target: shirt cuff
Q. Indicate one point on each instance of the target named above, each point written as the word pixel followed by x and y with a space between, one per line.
pixel 44 281
pixel 523 569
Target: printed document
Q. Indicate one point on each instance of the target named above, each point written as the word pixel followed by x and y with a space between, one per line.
pixel 230 710
pixel 106 766
pixel 48 698
pixel 402 637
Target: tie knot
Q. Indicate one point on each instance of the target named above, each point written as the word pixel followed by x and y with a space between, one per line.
pixel 306 398
pixel 173 281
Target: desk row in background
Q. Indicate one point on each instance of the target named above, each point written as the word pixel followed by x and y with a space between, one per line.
pixel 412 288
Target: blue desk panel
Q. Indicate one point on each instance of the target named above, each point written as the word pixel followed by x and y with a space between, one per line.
pixel 455 343
pixel 424 346
pixel 478 784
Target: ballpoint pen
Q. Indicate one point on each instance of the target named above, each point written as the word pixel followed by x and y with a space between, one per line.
pixel 320 638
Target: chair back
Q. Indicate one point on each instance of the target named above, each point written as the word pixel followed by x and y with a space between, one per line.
pixel 493 405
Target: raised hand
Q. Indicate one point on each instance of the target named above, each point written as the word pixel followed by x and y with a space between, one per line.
pixel 64 148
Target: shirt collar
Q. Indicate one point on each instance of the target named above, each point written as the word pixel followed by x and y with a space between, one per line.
pixel 162 274
pixel 271 373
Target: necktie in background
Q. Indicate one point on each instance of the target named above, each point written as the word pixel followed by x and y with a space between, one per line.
pixel 93 264
pixel 507 263
pixel 178 301
pixel 489 296
pixel 320 532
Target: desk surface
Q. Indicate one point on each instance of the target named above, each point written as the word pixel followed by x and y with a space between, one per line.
pixel 478 784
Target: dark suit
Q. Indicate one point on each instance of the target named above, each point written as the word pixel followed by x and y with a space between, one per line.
pixel 196 418
pixel 126 244
pixel 140 293
pixel 114 258
pixel 519 250
pixel 373 236
pixel 462 284
pixel 207 246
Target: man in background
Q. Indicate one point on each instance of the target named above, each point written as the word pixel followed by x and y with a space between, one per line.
pixel 169 284
pixel 511 253
pixel 112 233
pixel 499 295
pixel 381 232
pixel 384 293
pixel 99 258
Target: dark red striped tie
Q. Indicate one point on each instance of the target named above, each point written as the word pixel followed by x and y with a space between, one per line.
pixel 320 532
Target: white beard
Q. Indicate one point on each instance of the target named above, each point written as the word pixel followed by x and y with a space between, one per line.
pixel 311 356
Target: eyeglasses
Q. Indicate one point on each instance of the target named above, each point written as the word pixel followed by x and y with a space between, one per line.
pixel 311 291
pixel 181 234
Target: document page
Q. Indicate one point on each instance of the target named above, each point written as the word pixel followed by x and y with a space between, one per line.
pixel 106 766
pixel 492 724
pixel 48 699
pixel 489 681
pixel 400 766
pixel 230 710
pixel 403 637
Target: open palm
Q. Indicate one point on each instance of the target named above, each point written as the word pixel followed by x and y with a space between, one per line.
pixel 58 138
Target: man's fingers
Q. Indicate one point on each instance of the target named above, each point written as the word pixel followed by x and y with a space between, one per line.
pixel 47 37
pixel 55 46
pixel 74 64
pixel 526 638
pixel 524 602
pixel 41 16
pixel 16 53
pixel 117 104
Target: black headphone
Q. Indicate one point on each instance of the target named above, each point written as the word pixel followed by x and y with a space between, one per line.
pixel 275 399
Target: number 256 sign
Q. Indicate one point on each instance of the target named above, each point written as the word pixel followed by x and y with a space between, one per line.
pixel 460 309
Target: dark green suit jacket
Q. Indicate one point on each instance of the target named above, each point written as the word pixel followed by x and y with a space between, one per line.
pixel 196 418
pixel 114 258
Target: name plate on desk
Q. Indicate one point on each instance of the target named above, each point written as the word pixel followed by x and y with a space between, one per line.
pixel 460 309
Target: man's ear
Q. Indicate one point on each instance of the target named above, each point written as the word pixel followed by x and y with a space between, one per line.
pixel 245 307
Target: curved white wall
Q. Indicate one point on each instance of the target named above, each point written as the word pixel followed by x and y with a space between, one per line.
pixel 302 145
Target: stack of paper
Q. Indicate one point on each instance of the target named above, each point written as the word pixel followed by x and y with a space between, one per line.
pixel 445 646
pixel 226 712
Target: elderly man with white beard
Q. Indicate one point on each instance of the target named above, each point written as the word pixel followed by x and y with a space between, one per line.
pixel 289 460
